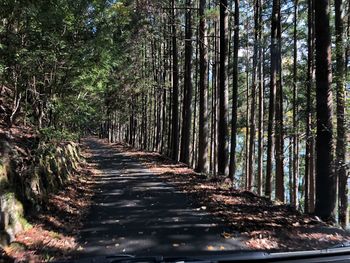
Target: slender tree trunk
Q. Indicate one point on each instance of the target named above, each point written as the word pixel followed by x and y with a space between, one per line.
pixel 309 85
pixel 261 104
pixel 272 100
pixel 223 100
pixel 194 133
pixel 169 150
pixel 246 143
pixel 154 125
pixel 164 97
pixel 214 103
pixel 341 134
pixel 194 147
pixel 279 103
pixel 159 89
pixel 164 122
pixel 210 98
pixel 170 112
pixel 312 176
pixel 145 138
pixel 295 112
pixel 202 165
pixel 232 169
pixel 158 120
pixel 131 123
pixel 175 95
pixel 187 101
pixel 325 178
pixel 247 153
pixel 251 161
pixel 216 99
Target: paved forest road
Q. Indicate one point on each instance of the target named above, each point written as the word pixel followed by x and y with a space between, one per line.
pixel 135 212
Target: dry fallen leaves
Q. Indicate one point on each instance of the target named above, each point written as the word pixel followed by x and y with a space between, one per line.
pixel 54 228
pixel 262 223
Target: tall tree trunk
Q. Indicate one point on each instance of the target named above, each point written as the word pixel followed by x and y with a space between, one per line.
pixel 187 101
pixel 194 145
pixel 341 134
pixel 232 167
pixel 216 105
pixel 194 132
pixel 272 100
pixel 261 104
pixel 202 165
pixel 164 98
pixel 170 112
pixel 279 180
pixel 158 120
pixel 222 125
pixel 251 162
pixel 169 150
pixel 145 138
pixel 131 123
pixel 312 176
pixel 246 143
pixel 175 95
pixel 154 125
pixel 214 102
pixel 325 178
pixel 309 85
pixel 295 111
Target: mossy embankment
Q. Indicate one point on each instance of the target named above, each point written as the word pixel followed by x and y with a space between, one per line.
pixel 30 170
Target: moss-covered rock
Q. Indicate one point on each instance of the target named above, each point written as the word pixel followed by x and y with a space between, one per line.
pixel 29 181
pixel 4 160
pixel 12 218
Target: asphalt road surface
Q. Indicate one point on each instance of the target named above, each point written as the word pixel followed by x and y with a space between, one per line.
pixel 136 212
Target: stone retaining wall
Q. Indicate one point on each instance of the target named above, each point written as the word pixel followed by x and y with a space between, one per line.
pixel 27 177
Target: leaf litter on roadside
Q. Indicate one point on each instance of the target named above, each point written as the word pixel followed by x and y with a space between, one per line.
pixel 54 229
pixel 261 223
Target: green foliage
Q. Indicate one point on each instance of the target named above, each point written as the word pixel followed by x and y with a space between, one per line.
pixel 61 56
pixel 51 134
pixel 212 13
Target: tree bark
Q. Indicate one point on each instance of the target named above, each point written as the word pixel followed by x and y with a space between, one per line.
pixel 222 125
pixel 175 95
pixel 341 134
pixel 325 178
pixel 232 168
pixel 276 66
pixel 202 165
pixel 309 85
pixel 272 100
pixel 295 112
pixel 261 105
pixel 187 101
pixel 251 161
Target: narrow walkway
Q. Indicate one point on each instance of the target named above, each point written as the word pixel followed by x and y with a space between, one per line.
pixel 135 212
